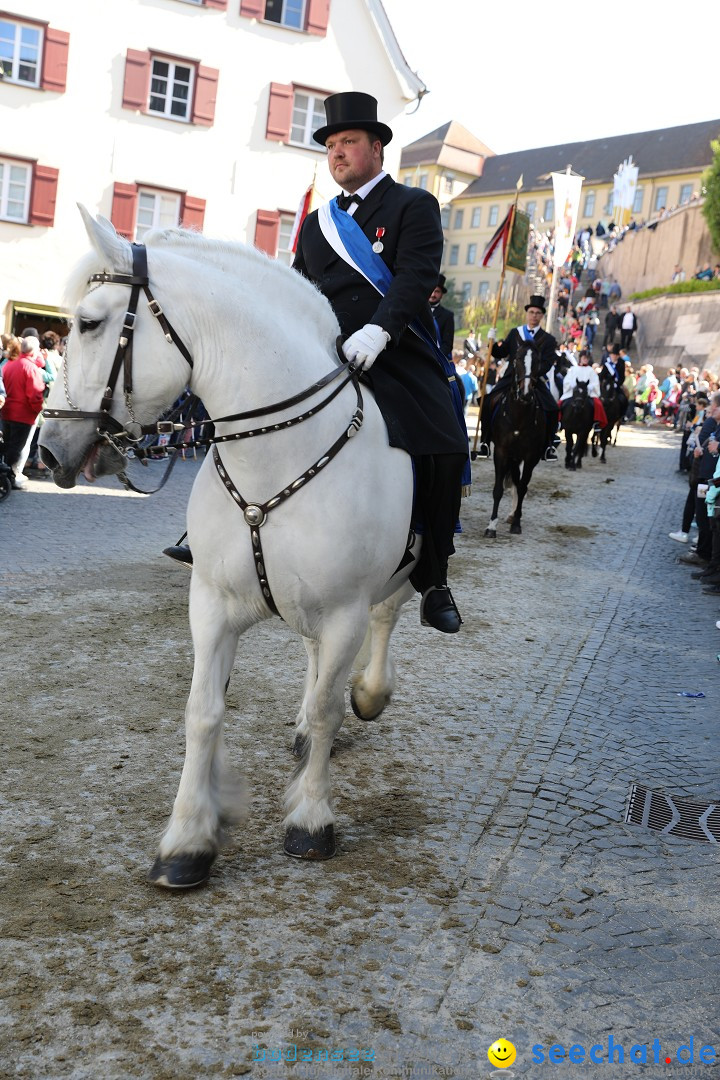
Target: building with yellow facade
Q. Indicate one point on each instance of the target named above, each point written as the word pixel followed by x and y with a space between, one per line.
pixel 476 187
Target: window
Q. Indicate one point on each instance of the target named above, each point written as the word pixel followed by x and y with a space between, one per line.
pixel 493 215
pixel 176 89
pixel 170 89
pixel 589 207
pixel 15 181
pixel 156 210
pixel 33 55
pixel 638 201
pixel 286 12
pixel 448 183
pixel 661 195
pixel 20 52
pixel 484 290
pixel 408 180
pixel 284 253
pixel 454 255
pixel 308 115
pixel 530 208
pixel 422 180
pixel 549 210
pixel 310 16
pixel 445 217
pixel 466 291
pixel 476 216
pixel 471 254
pixel 458 223
pixel 136 210
pixel 28 192
pixel 685 194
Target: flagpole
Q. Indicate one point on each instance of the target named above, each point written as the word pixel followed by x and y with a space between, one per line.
pixel 491 341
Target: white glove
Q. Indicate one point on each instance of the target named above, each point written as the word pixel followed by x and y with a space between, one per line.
pixel 491 334
pixel 364 346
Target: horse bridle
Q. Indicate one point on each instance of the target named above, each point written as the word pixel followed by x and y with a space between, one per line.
pixel 110 430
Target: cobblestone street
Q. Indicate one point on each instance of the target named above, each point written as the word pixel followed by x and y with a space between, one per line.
pixel 486 885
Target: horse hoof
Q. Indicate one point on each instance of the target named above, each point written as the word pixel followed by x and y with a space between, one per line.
pixel 304 845
pixel 491 534
pixel 182 871
pixel 360 715
pixel 300 745
pixel 516 529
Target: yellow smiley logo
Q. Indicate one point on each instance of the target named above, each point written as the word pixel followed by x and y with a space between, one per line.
pixel 501 1054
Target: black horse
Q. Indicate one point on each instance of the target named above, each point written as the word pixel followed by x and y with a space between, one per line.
pixel 615 404
pixel 577 421
pixel 518 428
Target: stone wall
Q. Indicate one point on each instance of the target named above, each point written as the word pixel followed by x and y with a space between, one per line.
pixel 646 258
pixel 679 329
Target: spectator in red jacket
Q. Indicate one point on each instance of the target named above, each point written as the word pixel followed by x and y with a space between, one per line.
pixel 24 386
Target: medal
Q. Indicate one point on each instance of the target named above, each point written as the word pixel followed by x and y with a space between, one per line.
pixel 378 245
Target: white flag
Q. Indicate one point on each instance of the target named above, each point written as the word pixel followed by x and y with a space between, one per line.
pixel 566 189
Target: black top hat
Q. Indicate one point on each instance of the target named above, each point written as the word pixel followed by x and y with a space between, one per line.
pixel 441 282
pixel 345 112
pixel 536 301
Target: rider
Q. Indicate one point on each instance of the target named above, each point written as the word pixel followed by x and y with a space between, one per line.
pixel 443 318
pixel 411 387
pixel 507 347
pixel 613 368
pixel 584 373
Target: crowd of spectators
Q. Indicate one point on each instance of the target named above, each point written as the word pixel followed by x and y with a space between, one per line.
pixel 28 365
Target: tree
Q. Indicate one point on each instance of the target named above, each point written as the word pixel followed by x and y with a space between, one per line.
pixel 711 206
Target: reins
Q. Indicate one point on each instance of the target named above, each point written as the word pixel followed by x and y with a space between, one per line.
pixel 112 431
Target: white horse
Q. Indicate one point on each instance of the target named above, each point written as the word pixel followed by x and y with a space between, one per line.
pixel 255 332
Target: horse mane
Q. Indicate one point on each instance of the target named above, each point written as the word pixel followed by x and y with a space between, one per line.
pixel 270 278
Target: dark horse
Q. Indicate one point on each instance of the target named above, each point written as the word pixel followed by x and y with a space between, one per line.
pixel 518 431
pixel 577 420
pixel 615 404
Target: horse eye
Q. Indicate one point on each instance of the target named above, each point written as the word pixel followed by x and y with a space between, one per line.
pixel 88 324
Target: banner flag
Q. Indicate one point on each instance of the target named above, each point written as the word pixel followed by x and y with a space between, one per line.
pixel 302 212
pixel 624 188
pixel 566 190
pixel 501 236
pixel 517 248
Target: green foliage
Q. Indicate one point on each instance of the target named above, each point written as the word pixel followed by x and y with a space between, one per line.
pixel 678 287
pixel 711 206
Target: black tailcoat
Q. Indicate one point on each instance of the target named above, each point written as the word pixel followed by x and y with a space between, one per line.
pixel 446 328
pixel 410 387
pixel 548 349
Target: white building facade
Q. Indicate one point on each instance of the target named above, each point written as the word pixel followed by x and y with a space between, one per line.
pixel 164 112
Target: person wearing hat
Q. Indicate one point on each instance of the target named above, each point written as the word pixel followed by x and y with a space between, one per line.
pixel 443 318
pixel 409 383
pixel 507 347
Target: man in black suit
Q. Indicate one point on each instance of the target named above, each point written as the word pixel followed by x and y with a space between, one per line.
pixel 443 318
pixel 410 386
pixel 507 348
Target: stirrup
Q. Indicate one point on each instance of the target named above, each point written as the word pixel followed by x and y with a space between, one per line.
pixel 483 450
pixel 550 454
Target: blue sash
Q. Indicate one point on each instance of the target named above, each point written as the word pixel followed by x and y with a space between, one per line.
pixel 371 266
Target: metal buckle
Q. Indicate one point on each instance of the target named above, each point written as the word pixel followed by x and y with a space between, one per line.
pixel 155 307
pixel 167 427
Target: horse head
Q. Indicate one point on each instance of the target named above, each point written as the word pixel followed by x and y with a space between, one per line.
pixel 117 374
pixel 525 370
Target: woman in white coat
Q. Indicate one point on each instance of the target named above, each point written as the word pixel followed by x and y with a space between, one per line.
pixel 583 373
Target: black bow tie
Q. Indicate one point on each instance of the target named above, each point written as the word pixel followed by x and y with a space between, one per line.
pixel 346 201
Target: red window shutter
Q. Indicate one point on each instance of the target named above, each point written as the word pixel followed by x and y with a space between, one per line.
pixel 44 196
pixel 318 16
pixel 192 213
pixel 137 80
pixel 267 231
pixel 216 4
pixel 252 9
pixel 206 82
pixel 55 60
pixel 124 209
pixel 279 112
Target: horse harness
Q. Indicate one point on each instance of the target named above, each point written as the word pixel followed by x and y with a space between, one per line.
pixel 111 431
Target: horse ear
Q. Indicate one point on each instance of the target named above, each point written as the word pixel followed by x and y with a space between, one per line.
pixel 105 240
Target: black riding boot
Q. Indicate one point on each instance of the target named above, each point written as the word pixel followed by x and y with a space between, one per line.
pixel 180 552
pixel 439 494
